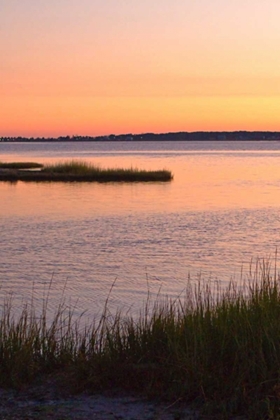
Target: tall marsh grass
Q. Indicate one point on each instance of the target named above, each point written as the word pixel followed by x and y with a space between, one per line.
pixel 219 349
pixel 95 172
pixel 78 171
pixel 72 166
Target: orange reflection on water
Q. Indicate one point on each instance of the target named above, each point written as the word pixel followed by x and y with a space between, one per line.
pixel 201 182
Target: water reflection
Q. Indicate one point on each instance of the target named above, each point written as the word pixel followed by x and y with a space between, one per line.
pixel 200 183
pixel 221 210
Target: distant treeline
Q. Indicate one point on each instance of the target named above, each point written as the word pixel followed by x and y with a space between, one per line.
pixel 179 136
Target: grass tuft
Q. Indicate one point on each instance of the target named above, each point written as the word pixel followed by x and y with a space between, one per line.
pixel 71 167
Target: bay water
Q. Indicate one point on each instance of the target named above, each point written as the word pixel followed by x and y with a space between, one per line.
pixel 74 241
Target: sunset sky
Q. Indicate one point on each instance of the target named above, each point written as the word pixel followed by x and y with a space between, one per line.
pixel 96 67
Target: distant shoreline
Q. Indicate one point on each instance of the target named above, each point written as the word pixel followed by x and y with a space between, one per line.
pixel 176 136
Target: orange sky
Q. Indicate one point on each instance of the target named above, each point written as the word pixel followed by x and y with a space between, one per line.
pixel 93 67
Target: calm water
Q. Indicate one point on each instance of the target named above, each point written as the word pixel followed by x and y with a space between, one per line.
pixel 221 210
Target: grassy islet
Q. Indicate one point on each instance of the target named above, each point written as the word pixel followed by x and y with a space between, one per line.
pixel 20 165
pixel 79 171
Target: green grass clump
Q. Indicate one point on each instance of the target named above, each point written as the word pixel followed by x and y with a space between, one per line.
pixel 219 349
pixel 20 165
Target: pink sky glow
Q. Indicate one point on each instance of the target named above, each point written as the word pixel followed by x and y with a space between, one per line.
pixel 93 67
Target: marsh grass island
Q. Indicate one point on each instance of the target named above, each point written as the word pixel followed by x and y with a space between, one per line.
pixel 77 171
